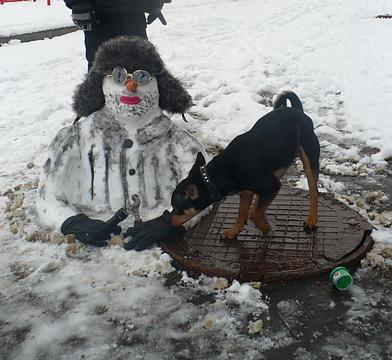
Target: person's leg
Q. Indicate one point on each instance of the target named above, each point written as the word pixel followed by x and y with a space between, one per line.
pixel 127 23
pixel 112 24
pixel 91 44
pixel 94 38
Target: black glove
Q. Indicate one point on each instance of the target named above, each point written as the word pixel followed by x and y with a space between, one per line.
pixel 146 234
pixel 83 16
pixel 92 231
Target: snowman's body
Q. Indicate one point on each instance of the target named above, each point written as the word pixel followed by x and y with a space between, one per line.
pixel 90 171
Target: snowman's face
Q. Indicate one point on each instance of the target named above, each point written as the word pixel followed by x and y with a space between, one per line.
pixel 130 95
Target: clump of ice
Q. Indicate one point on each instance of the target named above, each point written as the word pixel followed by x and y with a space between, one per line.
pixel 244 294
pixel 381 254
pixel 14 42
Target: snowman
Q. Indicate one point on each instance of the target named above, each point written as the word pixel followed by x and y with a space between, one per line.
pixel 124 153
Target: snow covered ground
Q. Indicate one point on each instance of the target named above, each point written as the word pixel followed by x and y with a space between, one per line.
pixel 28 16
pixel 112 304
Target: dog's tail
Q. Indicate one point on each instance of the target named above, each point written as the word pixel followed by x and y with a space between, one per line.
pixel 281 100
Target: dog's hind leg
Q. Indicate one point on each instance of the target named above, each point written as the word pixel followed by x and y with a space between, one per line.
pixel 310 164
pixel 253 209
pixel 245 201
pixel 257 213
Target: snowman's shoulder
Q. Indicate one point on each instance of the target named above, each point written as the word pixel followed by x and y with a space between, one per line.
pixel 94 122
pixel 67 134
pixel 184 136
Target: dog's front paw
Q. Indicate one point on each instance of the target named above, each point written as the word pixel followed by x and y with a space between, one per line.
pixel 252 214
pixel 264 228
pixel 230 234
pixel 310 225
pixel 262 225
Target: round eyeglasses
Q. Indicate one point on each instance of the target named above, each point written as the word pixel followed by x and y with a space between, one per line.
pixel 120 76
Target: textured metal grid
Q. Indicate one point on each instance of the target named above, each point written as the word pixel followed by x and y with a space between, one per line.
pixel 286 252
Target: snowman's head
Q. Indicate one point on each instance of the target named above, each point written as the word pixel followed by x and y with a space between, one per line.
pixel 131 95
pixel 129 77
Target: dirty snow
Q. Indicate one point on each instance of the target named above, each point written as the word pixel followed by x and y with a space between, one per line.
pixel 18 18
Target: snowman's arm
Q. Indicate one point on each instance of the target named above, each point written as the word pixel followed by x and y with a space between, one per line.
pixel 58 180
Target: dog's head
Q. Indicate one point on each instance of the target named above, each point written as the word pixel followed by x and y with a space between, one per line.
pixel 191 195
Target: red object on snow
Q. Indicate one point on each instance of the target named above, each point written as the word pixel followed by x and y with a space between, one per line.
pixel 4 1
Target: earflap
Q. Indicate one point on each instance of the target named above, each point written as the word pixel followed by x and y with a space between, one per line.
pixel 172 95
pixel 88 96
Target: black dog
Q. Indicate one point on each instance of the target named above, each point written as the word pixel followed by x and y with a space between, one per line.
pixel 253 164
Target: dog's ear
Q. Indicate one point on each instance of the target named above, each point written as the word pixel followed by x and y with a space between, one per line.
pixel 196 166
pixel 191 192
pixel 200 160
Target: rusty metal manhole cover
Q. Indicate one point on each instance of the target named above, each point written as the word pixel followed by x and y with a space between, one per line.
pixel 286 252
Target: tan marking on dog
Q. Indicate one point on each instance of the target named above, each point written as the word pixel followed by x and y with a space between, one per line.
pixel 254 207
pixel 259 220
pixel 311 220
pixel 243 210
pixel 192 192
pixel 257 214
pixel 178 220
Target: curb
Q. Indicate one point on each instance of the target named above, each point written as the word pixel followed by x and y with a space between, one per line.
pixel 39 35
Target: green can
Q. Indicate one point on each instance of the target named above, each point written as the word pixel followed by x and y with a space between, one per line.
pixel 341 278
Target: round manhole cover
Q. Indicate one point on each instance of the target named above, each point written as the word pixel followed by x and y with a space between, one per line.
pixel 286 252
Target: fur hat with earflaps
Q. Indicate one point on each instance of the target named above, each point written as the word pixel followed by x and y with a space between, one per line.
pixel 132 53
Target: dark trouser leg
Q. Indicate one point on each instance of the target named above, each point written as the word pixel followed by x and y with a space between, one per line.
pixel 92 40
pixel 110 25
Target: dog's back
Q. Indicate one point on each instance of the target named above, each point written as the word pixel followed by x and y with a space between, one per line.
pixel 273 141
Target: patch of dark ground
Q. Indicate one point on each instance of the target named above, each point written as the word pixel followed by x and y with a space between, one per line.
pixel 332 324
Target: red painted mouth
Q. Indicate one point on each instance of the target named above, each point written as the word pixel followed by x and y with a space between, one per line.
pixel 130 100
